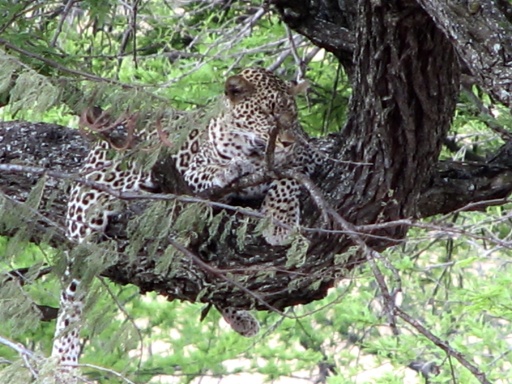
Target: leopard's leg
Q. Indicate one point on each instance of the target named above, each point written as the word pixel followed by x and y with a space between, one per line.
pixel 241 321
pixel 201 177
pixel 66 344
pixel 84 218
pixel 281 205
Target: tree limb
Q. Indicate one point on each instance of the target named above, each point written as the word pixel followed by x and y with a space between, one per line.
pixel 482 36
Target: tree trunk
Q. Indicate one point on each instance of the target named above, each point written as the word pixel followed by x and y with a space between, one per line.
pixel 381 167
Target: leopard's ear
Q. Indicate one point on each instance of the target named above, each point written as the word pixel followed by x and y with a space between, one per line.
pixel 296 88
pixel 237 89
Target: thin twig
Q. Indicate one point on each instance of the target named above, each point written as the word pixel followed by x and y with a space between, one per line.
pixel 391 306
pixel 131 195
pixel 19 274
pixel 315 193
pixel 298 61
pixel 115 298
pixel 22 350
pixel 102 369
pixel 63 17
pixel 25 353
pixel 85 75
pixel 207 267
pixel 271 146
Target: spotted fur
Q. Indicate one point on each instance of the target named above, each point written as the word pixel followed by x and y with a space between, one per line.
pixel 66 347
pixel 87 216
pixel 256 102
pixel 281 204
pixel 89 208
pixel 241 321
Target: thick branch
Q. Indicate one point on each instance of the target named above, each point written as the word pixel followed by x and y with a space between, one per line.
pixel 438 196
pixel 378 169
pixel 482 36
pixel 479 30
pixel 325 23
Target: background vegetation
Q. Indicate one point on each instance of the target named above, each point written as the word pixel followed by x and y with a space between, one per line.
pixel 452 272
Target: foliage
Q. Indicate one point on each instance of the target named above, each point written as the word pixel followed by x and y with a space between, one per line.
pixel 452 273
pixel 181 56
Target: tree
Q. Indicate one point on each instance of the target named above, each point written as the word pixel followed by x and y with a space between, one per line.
pixel 405 60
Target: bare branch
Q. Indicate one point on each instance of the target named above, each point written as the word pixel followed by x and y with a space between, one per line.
pixel 29 357
pixel 63 17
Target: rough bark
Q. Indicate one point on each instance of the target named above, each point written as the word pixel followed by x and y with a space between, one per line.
pixel 482 36
pixel 480 31
pixel 382 167
pixel 329 24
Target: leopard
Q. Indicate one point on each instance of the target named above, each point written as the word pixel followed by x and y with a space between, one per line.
pixel 259 107
pixel 259 110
